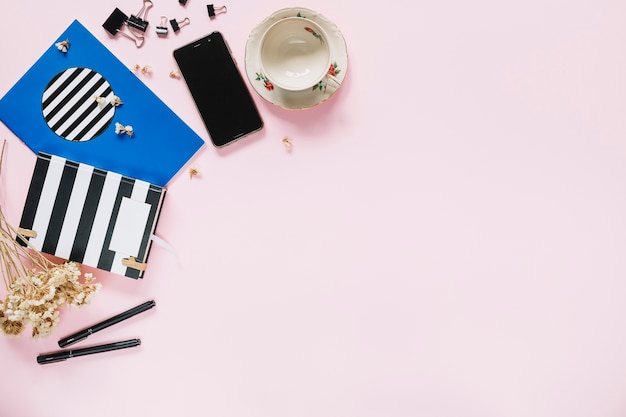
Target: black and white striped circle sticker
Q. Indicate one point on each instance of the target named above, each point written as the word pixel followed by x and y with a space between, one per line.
pixel 70 108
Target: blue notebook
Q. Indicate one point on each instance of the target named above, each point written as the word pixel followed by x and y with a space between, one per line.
pixel 64 105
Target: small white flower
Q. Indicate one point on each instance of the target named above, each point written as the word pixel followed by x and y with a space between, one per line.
pixel 193 171
pixel 38 302
pixel 116 101
pixel 92 294
pixel 15 316
pixel 51 293
pixel 287 143
pixel 63 46
pixel 100 100
pixel 120 128
pixel 144 70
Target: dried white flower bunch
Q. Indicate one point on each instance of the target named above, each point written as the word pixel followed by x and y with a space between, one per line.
pixel 34 298
pixel 36 287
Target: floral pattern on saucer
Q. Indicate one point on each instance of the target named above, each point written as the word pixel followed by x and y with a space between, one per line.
pixel 266 81
pixel 334 71
pixel 292 100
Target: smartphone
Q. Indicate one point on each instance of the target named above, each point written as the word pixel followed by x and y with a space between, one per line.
pixel 218 89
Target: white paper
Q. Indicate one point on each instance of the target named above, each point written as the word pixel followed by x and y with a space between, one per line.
pixel 129 227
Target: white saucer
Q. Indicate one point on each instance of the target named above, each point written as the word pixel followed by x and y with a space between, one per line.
pixel 289 99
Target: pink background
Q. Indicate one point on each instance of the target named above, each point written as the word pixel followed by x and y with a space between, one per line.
pixel 446 238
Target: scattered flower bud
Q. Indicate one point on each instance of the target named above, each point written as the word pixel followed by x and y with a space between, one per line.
pixel 63 46
pixel 100 100
pixel 120 129
pixel 287 143
pixel 144 70
pixel 193 171
pixel 116 101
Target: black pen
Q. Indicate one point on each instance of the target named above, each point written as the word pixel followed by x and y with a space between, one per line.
pixel 66 354
pixel 80 335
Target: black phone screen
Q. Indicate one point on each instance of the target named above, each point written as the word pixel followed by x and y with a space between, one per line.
pixel 218 89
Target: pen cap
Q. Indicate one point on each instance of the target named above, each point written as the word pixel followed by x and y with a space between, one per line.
pixel 70 340
pixel 43 359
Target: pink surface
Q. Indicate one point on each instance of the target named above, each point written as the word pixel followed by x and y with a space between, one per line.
pixel 446 237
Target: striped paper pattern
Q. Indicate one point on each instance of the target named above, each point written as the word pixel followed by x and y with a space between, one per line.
pixel 79 212
pixel 69 104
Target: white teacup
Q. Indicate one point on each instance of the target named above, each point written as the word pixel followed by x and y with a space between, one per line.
pixel 295 55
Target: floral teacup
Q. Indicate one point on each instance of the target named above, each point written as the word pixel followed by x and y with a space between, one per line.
pixel 295 56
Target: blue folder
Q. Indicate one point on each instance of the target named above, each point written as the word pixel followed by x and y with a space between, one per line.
pixel 64 106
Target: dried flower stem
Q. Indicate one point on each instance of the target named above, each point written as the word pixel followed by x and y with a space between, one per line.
pixel 36 286
pixel 12 252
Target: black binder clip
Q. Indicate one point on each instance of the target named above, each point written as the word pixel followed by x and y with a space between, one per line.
pixel 215 10
pixel 162 28
pixel 138 21
pixel 177 25
pixel 114 24
pixel 182 2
